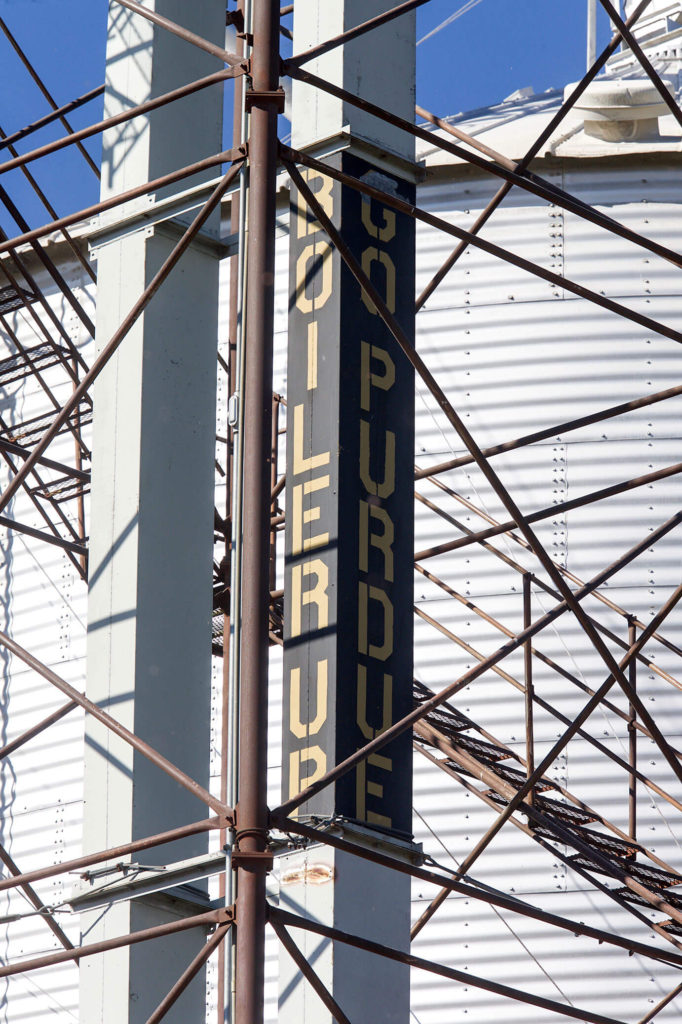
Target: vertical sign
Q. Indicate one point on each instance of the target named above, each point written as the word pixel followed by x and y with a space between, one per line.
pixel 350 483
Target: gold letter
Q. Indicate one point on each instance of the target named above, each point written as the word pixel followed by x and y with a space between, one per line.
pixel 316 596
pixel 384 234
pixel 301 463
pixel 367 378
pixel 387 714
pixel 369 257
pixel 299 516
pixel 362 787
pixel 321 252
pixel 308 225
pixel 296 758
pixel 300 730
pixel 312 356
pixel 382 490
pixel 383 542
pixel 365 595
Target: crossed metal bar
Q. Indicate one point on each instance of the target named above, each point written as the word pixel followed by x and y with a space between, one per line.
pixel 516 174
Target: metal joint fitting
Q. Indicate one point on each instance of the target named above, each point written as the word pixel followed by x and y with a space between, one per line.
pixel 268 97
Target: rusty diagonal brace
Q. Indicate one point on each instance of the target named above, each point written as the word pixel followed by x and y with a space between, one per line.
pixel 489 473
pixel 569 601
pixel 544 137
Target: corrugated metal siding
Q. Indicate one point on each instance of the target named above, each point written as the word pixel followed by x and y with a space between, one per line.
pixel 43 606
pixel 515 355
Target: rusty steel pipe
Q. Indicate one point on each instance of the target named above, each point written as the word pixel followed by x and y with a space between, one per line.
pixel 47 538
pixel 116 119
pixel 291 156
pixel 665 1001
pixel 48 96
pixel 22 451
pixel 277 489
pixel 119 730
pixel 553 431
pixel 229 699
pixel 275 521
pixel 252 810
pixel 544 136
pixel 182 33
pixel 189 974
pixel 307 971
pixel 35 900
pixel 493 659
pixel 546 513
pixel 225 157
pixel 80 502
pixel 157 932
pixel 37 729
pixel 285 918
pixel 486 895
pixel 111 346
pixel 632 741
pixel 113 853
pixel 352 33
pixel 42 122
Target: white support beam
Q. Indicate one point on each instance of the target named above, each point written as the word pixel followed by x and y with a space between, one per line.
pixel 149 616
pixel 327 663
pixel 388 81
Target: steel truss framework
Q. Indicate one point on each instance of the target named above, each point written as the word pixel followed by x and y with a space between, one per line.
pixel 517 788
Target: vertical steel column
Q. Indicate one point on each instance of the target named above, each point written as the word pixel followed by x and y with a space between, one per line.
pixel 152 503
pixel 226 949
pixel 349 552
pixel 591 33
pixel 252 815
pixel 632 739
pixel 528 671
pixel 273 484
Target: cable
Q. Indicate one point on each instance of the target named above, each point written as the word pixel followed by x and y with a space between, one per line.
pixel 448 21
pixel 494 909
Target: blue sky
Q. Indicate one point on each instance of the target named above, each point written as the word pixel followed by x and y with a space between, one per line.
pixel 494 48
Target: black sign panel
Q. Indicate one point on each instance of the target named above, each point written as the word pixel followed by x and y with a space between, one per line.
pixel 349 523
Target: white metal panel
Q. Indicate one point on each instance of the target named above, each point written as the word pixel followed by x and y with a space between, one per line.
pixel 43 607
pixel 644 199
pixel 511 367
pixel 516 369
